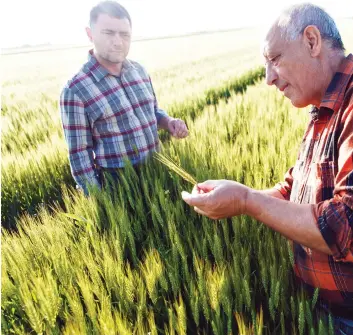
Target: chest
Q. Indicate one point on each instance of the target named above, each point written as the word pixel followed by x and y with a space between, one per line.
pixel 119 98
pixel 316 168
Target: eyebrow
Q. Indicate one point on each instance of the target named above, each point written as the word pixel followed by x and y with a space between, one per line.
pixel 115 31
pixel 266 54
pixel 270 53
pixel 265 50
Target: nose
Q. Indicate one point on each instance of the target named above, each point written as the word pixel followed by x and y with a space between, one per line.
pixel 118 41
pixel 271 75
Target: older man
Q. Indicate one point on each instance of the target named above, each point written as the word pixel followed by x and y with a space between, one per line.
pixel 313 207
pixel 109 109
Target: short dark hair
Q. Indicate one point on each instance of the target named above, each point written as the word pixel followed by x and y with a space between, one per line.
pixel 111 8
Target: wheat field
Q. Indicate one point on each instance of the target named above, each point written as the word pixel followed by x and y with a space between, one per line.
pixel 140 261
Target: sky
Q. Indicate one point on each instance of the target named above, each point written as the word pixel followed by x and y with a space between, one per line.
pixel 63 22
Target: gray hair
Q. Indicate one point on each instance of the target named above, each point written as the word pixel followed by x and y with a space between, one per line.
pixel 296 18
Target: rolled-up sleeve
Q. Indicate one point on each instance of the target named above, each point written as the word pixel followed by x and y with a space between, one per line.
pixel 335 216
pixel 78 136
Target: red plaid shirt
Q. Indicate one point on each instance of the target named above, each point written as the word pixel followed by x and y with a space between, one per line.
pixel 323 177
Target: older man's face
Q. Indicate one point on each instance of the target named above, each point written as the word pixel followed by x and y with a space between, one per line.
pixel 291 68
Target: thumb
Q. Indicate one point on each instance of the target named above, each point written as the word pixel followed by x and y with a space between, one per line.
pixel 172 131
pixel 194 199
pixel 207 186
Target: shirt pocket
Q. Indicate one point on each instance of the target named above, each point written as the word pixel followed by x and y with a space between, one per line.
pixel 145 98
pixel 325 173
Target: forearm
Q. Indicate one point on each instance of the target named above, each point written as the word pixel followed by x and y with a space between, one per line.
pixel 295 221
pixel 163 122
pixel 272 192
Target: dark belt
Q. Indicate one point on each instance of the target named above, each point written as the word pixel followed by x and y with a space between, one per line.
pixel 340 311
pixel 343 313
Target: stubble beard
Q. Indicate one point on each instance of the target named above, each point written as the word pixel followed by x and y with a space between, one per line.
pixel 112 58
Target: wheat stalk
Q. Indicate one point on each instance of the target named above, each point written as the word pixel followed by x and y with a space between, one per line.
pixel 168 162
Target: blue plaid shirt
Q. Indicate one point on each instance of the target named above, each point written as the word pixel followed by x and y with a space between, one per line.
pixel 108 118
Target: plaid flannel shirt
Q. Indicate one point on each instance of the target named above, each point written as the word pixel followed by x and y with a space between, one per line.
pixel 323 177
pixel 108 118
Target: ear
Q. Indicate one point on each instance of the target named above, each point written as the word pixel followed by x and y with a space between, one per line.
pixel 89 33
pixel 313 40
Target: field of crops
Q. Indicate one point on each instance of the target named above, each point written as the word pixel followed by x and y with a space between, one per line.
pixel 142 261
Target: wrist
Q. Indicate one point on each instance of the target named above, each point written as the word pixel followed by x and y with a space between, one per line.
pixel 169 123
pixel 164 122
pixel 249 202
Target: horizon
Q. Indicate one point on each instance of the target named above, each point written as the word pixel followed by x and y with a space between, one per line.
pixel 150 19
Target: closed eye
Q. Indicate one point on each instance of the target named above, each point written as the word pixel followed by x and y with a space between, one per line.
pixel 108 32
pixel 274 60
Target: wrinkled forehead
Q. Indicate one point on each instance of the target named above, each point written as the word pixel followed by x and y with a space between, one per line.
pixel 107 21
pixel 273 40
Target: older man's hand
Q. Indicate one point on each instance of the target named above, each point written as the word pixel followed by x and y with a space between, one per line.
pixel 177 128
pixel 218 199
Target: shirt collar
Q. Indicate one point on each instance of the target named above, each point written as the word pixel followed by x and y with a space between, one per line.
pixel 99 72
pixel 335 92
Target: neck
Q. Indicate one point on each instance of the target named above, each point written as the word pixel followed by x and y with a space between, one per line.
pixel 112 68
pixel 328 69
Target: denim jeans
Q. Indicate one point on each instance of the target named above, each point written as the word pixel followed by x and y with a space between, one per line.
pixel 343 326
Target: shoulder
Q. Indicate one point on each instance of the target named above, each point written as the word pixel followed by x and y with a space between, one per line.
pixel 138 67
pixel 82 79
